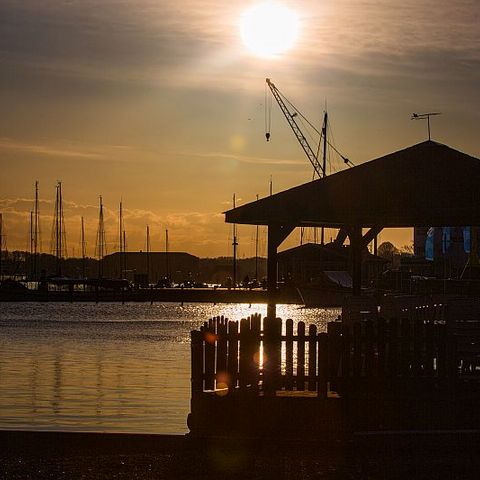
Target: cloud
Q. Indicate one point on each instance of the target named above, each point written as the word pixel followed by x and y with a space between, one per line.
pixel 209 227
pixel 9 144
pixel 246 158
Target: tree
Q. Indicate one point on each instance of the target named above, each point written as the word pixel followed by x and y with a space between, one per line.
pixel 387 250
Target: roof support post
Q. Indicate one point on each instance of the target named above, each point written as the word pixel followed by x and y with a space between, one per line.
pixel 371 235
pixel 276 235
pixel 356 242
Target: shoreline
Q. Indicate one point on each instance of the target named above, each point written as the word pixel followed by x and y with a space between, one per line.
pixel 42 455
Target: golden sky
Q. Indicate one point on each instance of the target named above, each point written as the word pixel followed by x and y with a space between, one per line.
pixel 160 103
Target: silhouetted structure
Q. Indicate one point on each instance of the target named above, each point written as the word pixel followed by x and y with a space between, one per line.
pixel 307 263
pixel 390 191
pixel 419 372
pixel 181 266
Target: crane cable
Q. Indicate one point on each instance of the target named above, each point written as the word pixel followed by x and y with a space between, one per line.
pixel 298 112
pixel 268 113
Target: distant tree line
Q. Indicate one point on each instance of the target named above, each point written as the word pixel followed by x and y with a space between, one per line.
pixel 22 265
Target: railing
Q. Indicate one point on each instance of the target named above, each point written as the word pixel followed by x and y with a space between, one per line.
pixel 374 357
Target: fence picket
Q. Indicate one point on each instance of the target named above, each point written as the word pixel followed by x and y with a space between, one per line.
pixel 300 356
pixel 312 358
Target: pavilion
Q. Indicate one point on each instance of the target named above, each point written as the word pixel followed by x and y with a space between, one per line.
pixel 428 184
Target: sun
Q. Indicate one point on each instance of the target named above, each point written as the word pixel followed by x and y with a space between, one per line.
pixel 269 29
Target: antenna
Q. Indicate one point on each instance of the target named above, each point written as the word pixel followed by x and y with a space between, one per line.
pixel 425 116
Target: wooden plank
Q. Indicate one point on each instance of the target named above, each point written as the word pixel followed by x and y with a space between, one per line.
pixel 300 383
pixel 272 354
pixel 256 321
pixel 392 348
pixel 441 347
pixel 244 351
pixel 289 354
pixel 429 349
pixel 221 369
pixel 346 352
pixel 418 347
pixel 357 350
pixel 405 344
pixel 322 383
pixel 232 359
pixel 381 348
pixel 209 338
pixel 312 358
pixel 196 362
pixel 369 349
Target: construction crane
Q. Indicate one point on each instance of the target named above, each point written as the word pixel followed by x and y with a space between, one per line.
pixel 319 169
pixel 296 130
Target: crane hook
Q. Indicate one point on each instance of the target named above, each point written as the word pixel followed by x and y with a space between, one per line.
pixel 267 136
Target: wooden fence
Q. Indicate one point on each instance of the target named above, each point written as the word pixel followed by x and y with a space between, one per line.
pixel 372 357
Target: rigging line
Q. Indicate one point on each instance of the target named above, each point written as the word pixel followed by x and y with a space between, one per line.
pixel 285 99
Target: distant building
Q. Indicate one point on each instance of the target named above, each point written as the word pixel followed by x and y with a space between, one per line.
pixel 446 248
pixel 152 267
pixel 306 263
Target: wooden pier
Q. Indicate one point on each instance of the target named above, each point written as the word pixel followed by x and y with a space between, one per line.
pixel 261 378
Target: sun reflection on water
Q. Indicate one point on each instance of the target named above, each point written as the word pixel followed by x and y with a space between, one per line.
pixel 108 367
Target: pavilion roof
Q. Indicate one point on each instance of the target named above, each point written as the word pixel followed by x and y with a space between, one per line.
pixel 425 184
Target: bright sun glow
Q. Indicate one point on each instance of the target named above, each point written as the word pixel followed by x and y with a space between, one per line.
pixel 269 29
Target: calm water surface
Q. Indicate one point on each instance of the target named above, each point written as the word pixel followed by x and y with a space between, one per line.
pixel 106 367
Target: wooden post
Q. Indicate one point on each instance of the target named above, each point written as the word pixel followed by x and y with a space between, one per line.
pixel 356 244
pixel 244 357
pixel 221 370
pixel 312 358
pixel 196 362
pixel 272 354
pixel 276 235
pixel 209 338
pixel 301 356
pixel 272 272
pixel 232 362
pixel 289 354
pixel 322 365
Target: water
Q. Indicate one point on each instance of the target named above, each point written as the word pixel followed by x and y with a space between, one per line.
pixel 106 367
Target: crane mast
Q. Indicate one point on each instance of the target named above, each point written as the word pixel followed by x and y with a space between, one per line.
pixel 296 130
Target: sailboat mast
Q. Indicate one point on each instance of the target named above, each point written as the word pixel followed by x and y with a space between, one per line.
pixel 1 245
pixel 82 241
pixel 124 253
pixel 100 246
pixel 256 251
pixel 324 164
pixel 35 233
pixel 120 239
pixel 31 246
pixel 167 266
pixel 148 254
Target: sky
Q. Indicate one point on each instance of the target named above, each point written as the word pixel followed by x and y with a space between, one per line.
pixel 160 104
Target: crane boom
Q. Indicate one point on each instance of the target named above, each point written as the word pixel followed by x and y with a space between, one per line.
pixel 296 130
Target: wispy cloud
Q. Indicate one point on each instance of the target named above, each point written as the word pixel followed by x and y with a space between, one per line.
pixel 8 144
pixel 246 158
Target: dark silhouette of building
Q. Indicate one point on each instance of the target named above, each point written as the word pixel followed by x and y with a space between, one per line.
pixel 307 263
pixel 177 266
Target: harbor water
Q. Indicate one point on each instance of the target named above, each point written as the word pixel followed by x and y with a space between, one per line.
pixel 107 367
